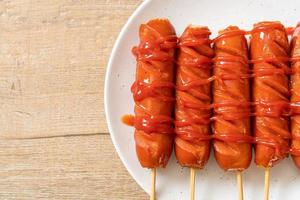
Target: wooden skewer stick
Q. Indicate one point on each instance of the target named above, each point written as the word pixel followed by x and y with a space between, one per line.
pixel 153 181
pixel 267 183
pixel 192 183
pixel 239 177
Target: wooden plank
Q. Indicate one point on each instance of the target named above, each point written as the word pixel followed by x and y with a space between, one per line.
pixel 78 167
pixel 53 56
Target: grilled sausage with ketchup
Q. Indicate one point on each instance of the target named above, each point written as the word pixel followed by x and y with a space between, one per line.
pixel 233 143
pixel 192 142
pixel 269 54
pixel 153 92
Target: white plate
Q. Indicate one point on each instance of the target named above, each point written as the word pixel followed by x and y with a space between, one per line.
pixel 173 182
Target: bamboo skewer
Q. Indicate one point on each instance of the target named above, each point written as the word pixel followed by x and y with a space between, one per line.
pixel 153 181
pixel 239 177
pixel 267 183
pixel 192 183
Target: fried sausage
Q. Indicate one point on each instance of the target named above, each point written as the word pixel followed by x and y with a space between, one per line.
pixel 231 96
pixel 153 92
pixel 269 54
pixel 192 113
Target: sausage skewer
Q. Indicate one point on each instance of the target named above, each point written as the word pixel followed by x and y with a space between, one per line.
pixel 267 183
pixel 192 112
pixel 232 144
pixel 192 183
pixel 239 177
pixel 153 183
pixel 153 92
pixel 269 52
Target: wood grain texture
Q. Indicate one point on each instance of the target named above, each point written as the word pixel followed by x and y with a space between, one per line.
pixel 78 167
pixel 53 56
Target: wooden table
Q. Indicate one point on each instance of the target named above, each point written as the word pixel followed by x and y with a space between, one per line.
pixel 54 140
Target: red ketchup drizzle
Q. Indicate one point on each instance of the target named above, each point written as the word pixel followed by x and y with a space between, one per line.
pixel 195 41
pixel 267 27
pixel 192 136
pixel 150 124
pixel 195 83
pixel 200 37
pixel 225 115
pixel 201 61
pixel 273 109
pixel 154 51
pixel 223 110
pixel 191 121
pixel 229 60
pixel 128 120
pixel 191 40
pixel 277 109
pixel 142 90
pixel 149 51
pixel 230 33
